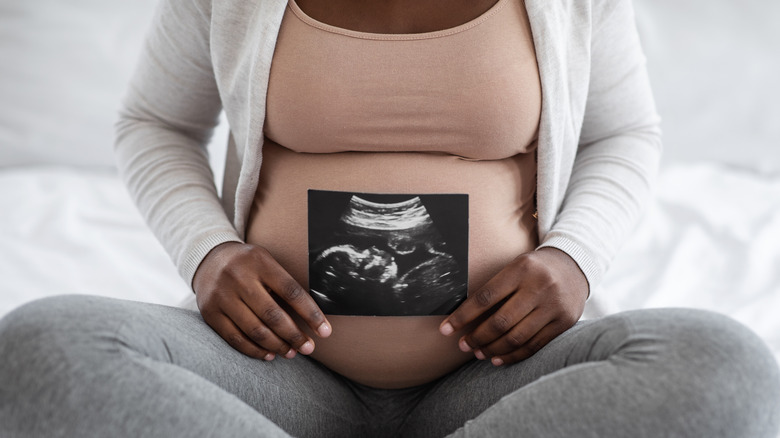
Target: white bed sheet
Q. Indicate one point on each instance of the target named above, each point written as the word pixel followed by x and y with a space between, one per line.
pixel 709 240
pixel 67 231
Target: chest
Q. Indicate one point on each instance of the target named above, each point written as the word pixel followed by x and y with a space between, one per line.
pixel 395 16
pixel 470 90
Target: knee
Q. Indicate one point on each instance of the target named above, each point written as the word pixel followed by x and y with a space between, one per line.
pixel 44 315
pixel 725 368
pixel 722 343
pixel 47 326
pixel 29 321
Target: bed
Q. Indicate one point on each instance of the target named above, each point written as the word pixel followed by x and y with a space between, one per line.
pixel 710 238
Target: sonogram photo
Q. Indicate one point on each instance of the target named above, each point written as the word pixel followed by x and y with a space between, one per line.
pixel 387 254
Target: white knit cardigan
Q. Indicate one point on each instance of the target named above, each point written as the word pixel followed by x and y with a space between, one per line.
pixel 599 138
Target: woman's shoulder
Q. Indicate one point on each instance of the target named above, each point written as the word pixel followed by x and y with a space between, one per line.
pixel 214 12
pixel 243 10
pixel 577 21
pixel 578 11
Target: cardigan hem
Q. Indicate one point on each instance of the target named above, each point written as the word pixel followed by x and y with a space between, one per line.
pixel 195 256
pixel 580 256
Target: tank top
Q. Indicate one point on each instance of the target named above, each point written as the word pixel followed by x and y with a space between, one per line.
pixel 398 173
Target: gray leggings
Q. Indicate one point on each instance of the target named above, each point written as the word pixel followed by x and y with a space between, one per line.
pixel 78 366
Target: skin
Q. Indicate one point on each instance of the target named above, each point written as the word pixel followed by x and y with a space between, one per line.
pixel 395 16
pixel 535 298
pixel 248 298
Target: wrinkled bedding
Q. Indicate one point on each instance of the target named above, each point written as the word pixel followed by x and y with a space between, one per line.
pixel 709 240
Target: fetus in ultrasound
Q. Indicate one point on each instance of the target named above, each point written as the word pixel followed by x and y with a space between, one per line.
pixel 388 258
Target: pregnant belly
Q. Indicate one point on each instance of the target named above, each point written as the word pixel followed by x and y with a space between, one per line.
pixel 385 329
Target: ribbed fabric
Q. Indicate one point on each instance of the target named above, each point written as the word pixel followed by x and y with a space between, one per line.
pixel 471 91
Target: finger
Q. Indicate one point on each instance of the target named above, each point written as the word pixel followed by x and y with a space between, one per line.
pixel 254 329
pixel 277 319
pixel 501 322
pixel 519 335
pixel 481 301
pixel 237 339
pixel 536 343
pixel 284 286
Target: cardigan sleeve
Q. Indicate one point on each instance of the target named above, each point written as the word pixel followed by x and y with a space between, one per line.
pixel 167 118
pixel 619 147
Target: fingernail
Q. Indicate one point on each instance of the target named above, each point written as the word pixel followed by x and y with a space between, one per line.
pixel 269 357
pixel 446 329
pixel 464 347
pixel 306 348
pixel 324 330
pixel 497 361
pixel 479 354
pixel 290 354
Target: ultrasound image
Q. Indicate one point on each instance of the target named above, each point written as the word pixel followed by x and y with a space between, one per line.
pixel 388 255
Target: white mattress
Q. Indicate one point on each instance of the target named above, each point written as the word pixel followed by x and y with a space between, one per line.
pixel 64 231
pixel 709 240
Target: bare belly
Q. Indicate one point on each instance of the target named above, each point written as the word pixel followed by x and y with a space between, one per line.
pixel 394 351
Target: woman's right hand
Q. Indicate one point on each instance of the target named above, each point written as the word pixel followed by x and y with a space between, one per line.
pixel 235 286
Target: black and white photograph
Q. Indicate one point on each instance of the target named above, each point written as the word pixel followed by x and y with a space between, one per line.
pixel 386 254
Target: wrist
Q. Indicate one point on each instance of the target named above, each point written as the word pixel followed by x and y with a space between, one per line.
pixel 574 279
pixel 213 260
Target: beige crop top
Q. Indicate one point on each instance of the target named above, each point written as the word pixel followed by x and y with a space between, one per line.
pixel 471 91
pixel 399 170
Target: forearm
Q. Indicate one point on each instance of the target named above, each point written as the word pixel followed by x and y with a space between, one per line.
pixel 172 185
pixel 605 198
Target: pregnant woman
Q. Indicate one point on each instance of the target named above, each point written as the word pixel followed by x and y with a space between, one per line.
pixel 419 197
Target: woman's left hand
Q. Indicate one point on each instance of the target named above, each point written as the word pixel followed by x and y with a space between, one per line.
pixel 535 298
